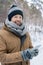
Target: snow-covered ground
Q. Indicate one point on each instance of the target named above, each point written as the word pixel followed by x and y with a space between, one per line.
pixel 36 34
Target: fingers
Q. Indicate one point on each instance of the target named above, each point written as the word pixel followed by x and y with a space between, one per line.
pixel 35 54
pixel 36 51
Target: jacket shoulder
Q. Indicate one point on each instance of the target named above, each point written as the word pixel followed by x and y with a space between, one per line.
pixel 3 33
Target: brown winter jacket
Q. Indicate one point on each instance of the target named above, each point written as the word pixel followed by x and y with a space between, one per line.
pixel 10 48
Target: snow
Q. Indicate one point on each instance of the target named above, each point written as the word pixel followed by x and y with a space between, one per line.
pixel 37 3
pixel 36 34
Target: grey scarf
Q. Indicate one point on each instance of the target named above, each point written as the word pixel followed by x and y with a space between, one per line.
pixel 16 29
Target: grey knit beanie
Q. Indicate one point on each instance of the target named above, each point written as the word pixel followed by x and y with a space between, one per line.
pixel 13 11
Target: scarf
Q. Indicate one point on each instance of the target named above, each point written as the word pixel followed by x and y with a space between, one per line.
pixel 16 29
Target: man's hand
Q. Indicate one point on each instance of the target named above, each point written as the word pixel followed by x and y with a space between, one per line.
pixel 29 53
pixel 34 52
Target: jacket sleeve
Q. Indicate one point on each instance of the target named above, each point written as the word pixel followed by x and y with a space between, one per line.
pixel 29 41
pixel 8 58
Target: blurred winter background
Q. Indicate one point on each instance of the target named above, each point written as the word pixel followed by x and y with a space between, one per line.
pixel 33 18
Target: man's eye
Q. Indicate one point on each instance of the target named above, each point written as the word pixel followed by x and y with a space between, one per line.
pixel 20 17
pixel 15 16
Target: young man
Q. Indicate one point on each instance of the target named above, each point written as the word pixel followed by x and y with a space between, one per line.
pixel 15 43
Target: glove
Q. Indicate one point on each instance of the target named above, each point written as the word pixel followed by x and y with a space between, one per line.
pixel 26 54
pixel 29 53
pixel 34 52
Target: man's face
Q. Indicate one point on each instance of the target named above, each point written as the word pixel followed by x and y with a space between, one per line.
pixel 17 19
